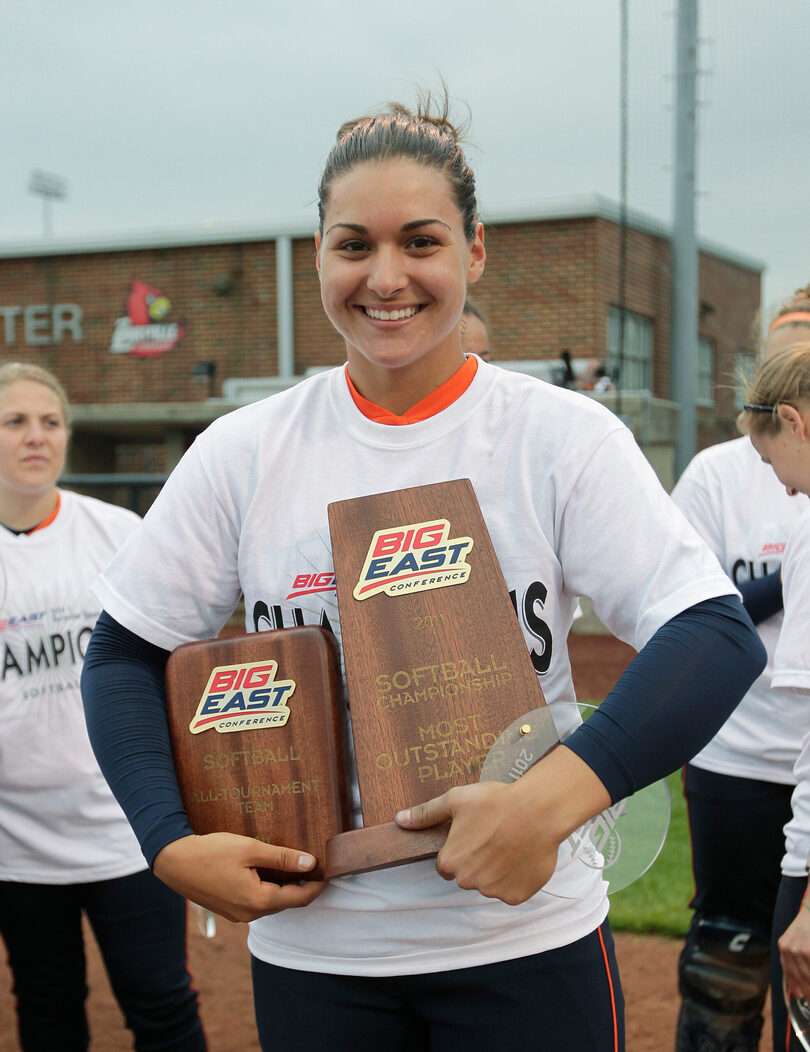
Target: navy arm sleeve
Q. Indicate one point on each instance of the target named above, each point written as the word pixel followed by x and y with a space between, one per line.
pixel 124 694
pixel 762 597
pixel 673 697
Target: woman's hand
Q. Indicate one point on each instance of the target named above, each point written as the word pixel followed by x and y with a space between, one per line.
pixel 220 872
pixel 794 951
pixel 503 839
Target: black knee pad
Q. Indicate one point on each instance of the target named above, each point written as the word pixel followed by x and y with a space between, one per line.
pixel 723 975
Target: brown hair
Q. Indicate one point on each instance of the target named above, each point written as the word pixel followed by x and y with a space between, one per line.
pixel 471 307
pixel 11 372
pixel 422 136
pixel 781 379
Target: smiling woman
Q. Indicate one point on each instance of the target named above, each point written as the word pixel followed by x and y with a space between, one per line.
pixel 470 952
pixel 398 244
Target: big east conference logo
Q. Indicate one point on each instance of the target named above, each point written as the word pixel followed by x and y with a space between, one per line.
pixel 243 697
pixel 414 558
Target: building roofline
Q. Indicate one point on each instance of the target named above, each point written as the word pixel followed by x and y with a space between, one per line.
pixel 595 206
pixel 585 206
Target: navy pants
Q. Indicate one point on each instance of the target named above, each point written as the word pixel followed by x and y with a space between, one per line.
pixel 736 878
pixel 140 926
pixel 566 999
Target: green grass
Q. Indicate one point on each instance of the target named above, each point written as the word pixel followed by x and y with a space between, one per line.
pixel 658 901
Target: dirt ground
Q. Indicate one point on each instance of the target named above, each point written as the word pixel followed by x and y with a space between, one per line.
pixel 221 965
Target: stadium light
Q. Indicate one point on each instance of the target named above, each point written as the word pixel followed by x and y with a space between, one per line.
pixel 50 188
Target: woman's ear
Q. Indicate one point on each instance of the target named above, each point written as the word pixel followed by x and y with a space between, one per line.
pixel 794 420
pixel 318 252
pixel 478 255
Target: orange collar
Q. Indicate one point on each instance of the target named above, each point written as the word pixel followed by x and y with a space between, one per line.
pixel 51 517
pixel 432 404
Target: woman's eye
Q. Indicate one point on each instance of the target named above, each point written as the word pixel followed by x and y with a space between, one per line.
pixel 354 246
pixel 422 242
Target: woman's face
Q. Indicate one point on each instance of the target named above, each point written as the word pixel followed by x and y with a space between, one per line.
pixel 788 450
pixel 394 266
pixel 33 437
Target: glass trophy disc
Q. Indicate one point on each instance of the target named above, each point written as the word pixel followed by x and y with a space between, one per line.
pixel 621 842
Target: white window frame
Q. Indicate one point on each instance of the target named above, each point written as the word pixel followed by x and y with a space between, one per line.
pixel 636 370
pixel 705 370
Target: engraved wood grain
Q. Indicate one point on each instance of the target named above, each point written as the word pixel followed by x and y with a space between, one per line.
pixel 283 785
pixel 433 677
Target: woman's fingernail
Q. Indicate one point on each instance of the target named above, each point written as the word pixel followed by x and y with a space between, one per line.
pixel 305 861
pixel 404 816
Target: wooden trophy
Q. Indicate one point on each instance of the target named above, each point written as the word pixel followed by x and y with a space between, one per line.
pixel 436 668
pixel 436 665
pixel 258 731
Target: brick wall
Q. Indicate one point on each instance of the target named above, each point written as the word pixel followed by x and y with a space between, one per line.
pixel 225 295
pixel 548 285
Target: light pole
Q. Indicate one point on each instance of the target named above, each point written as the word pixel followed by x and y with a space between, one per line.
pixel 50 188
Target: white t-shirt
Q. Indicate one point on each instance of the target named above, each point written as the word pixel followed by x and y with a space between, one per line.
pixel 742 511
pixel 59 822
pixel 791 670
pixel 573 509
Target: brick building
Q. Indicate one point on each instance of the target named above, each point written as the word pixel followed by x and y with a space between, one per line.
pixel 154 335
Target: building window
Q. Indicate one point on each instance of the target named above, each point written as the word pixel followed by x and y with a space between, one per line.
pixel 633 372
pixel 745 363
pixel 705 376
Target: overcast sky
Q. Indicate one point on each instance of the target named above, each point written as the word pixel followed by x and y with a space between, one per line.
pixel 168 113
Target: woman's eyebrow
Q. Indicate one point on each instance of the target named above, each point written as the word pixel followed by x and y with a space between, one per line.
pixel 358 228
pixel 422 222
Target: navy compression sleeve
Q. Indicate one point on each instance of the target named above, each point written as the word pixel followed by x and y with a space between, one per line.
pixel 124 694
pixel 762 597
pixel 673 697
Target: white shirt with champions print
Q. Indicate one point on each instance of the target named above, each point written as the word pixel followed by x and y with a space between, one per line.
pixel 791 671
pixel 573 508
pixel 59 822
pixel 742 511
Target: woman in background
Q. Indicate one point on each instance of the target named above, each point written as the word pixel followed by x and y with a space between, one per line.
pixel 741 510
pixel 777 420
pixel 66 849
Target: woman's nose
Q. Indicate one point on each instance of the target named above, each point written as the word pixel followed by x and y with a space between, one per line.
pixel 386 273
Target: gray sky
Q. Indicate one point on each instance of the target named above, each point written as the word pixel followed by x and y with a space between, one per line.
pixel 168 113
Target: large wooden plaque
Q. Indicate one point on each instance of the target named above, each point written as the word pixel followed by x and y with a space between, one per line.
pixel 257 725
pixel 436 665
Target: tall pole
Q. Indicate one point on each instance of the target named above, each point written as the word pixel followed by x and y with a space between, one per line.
pixel 684 343
pixel 622 209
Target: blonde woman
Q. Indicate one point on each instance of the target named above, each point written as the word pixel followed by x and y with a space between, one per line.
pixel 777 420
pixel 66 848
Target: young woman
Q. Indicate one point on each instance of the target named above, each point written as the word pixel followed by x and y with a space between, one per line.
pixel 65 846
pixel 468 952
pixel 777 419
pixel 738 506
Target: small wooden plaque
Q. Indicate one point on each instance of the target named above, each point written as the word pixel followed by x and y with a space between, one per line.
pixel 436 664
pixel 258 733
